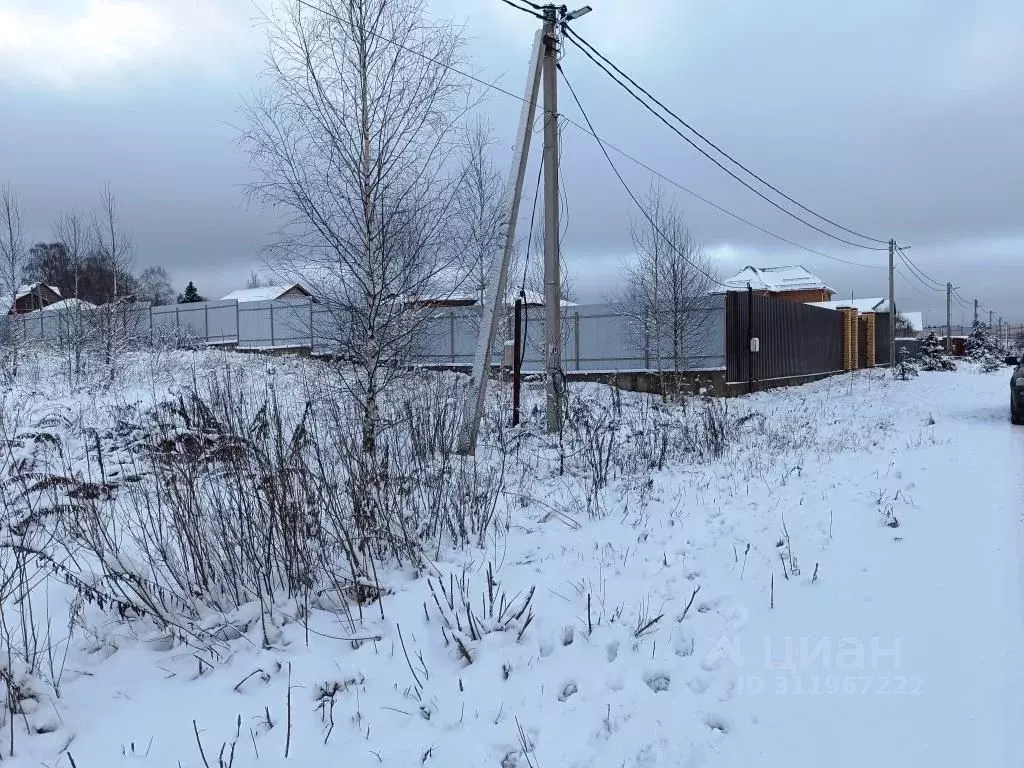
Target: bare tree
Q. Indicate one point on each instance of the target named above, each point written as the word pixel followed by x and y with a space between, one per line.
pixel 72 232
pixel 354 138
pixel 155 286
pixel 13 257
pixel 667 283
pixel 254 280
pixel 480 201
pixel 113 244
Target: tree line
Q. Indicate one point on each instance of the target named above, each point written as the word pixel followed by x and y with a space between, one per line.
pixel 89 257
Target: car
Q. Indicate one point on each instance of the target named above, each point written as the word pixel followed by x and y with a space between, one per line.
pixel 1017 393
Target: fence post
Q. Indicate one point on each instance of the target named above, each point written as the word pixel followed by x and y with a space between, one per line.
pixel 451 333
pixel 238 327
pixel 647 341
pixel 311 337
pixel 271 323
pixel 206 321
pixel 577 329
pixel 152 339
pixel 750 339
pixel 177 319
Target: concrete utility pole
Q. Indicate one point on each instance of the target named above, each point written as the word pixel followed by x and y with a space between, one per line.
pixel 976 313
pixel 552 271
pixel 892 303
pixel 949 318
pixel 495 296
pixel 543 69
pixel 990 313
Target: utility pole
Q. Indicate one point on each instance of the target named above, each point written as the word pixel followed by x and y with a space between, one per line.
pixel 495 296
pixel 892 303
pixel 976 313
pixel 543 70
pixel 990 313
pixel 949 318
pixel 552 271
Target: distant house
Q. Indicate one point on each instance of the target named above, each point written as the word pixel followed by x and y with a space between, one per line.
pixel 793 283
pixel 65 305
pixel 30 298
pixel 270 293
pixel 533 299
pixel 863 306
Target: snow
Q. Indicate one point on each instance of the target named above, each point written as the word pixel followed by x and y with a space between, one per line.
pixel 65 304
pixel 863 306
pixel 774 279
pixel 841 587
pixel 266 293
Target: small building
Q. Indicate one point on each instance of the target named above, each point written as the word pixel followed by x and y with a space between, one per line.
pixel 792 283
pixel 863 306
pixel 270 293
pixel 31 297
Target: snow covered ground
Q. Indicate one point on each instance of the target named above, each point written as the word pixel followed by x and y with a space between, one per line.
pixel 841 587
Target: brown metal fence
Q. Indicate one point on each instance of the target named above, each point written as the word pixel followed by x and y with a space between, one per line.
pixel 882 339
pixel 793 340
pixel 862 342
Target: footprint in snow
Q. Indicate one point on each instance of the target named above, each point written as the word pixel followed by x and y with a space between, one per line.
pixel 568 690
pixel 658 681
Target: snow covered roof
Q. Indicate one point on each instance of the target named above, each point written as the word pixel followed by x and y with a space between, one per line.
pixel 534 299
pixel 774 279
pixel 23 291
pixel 861 305
pixel 916 320
pixel 266 293
pixel 69 304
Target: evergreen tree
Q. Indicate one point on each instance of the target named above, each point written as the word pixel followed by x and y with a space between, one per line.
pixel 934 357
pixel 191 294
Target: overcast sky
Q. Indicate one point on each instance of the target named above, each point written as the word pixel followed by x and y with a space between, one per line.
pixel 895 118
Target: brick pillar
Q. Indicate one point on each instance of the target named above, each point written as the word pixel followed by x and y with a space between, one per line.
pixel 849 339
pixel 872 352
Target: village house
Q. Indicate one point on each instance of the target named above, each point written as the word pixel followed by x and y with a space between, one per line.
pixel 792 283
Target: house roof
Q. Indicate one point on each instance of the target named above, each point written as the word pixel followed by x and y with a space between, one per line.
pixel 774 279
pixel 63 304
pixel 23 291
pixel 266 293
pixel 534 299
pixel 916 320
pixel 861 305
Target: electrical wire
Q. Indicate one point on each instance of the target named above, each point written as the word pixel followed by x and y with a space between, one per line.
pixel 918 270
pixel 912 271
pixel 629 191
pixel 604 144
pixel 525 10
pixel 579 39
pixel 714 160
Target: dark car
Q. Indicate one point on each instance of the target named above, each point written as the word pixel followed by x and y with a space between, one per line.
pixel 1017 393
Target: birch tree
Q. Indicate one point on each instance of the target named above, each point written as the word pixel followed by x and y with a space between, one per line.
pixel 667 284
pixel 72 232
pixel 112 243
pixel 354 138
pixel 13 257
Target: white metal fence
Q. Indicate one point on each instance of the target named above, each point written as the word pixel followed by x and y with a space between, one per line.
pixel 595 336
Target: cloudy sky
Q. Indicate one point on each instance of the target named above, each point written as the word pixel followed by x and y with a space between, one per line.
pixel 896 118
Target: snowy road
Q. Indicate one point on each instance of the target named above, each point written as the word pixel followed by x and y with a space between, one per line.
pixel 917 657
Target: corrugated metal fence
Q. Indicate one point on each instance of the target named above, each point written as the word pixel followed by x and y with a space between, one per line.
pixel 595 337
pixel 793 339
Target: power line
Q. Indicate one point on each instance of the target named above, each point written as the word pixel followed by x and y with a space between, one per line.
pixel 625 186
pixel 602 142
pixel 918 270
pixel 525 10
pixel 918 277
pixel 714 160
pixel 577 38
